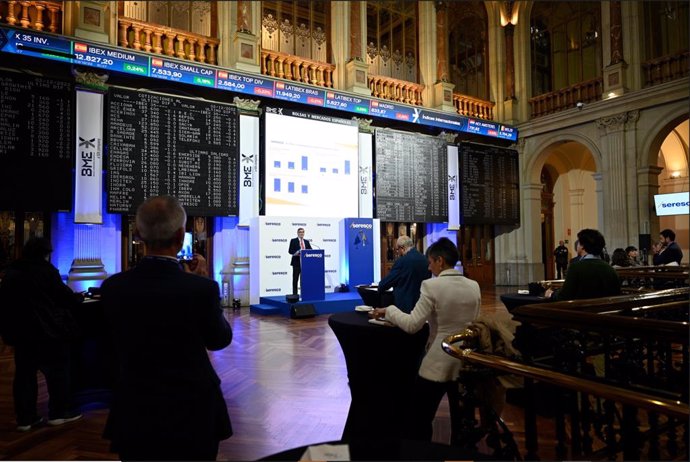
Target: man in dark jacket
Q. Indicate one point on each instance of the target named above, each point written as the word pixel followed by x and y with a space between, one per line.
pixel 407 275
pixel 669 251
pixel 296 244
pixel 168 402
pixel 36 317
pixel 561 254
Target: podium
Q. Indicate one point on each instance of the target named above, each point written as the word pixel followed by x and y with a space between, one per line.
pixel 312 279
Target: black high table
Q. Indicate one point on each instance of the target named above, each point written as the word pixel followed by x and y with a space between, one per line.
pixel 378 358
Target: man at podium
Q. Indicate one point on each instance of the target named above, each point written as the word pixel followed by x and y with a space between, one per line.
pixel 296 244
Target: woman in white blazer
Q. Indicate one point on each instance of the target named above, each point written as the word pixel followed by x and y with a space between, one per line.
pixel 449 302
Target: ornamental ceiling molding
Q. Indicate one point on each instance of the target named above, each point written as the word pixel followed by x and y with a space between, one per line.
pixel 364 125
pixel 249 106
pixel 618 122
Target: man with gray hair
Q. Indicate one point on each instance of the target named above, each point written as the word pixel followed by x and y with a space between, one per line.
pixel 407 275
pixel 168 403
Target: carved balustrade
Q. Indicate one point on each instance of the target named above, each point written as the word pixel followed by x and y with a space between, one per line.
pixel 401 91
pixel 473 107
pixel 566 98
pixel 297 68
pixel 163 40
pixel 616 367
pixel 35 15
pixel 666 68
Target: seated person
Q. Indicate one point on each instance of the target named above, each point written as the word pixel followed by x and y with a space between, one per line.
pixel 407 275
pixel 591 277
pixel 633 255
pixel 449 302
pixel 620 259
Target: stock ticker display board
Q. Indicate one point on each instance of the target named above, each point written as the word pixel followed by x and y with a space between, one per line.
pixel 164 144
pixel 489 185
pixel 36 143
pixel 411 177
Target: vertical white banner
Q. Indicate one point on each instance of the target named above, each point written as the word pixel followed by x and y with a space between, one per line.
pixel 249 169
pixel 453 188
pixel 88 188
pixel 365 183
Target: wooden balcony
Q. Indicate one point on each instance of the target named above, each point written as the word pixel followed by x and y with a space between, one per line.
pixel 37 15
pixel 666 68
pixel 566 98
pixel 164 40
pixel 297 68
pixel 473 107
pixel 401 91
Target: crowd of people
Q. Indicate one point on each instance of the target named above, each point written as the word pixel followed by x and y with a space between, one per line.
pixel 665 251
pixel 168 403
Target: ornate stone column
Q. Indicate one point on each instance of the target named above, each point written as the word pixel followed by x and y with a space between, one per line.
pixel 615 214
pixel 648 186
pixel 239 32
pixel 92 20
pixel 577 208
pixel 509 31
pixel 508 17
pixel 443 89
pixel 356 69
pixel 614 75
pixel 426 24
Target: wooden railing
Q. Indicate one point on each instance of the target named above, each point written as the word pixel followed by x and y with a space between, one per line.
pixel 297 68
pixel 619 365
pixel 566 98
pixel 392 89
pixel 153 38
pixel 32 14
pixel 666 68
pixel 473 107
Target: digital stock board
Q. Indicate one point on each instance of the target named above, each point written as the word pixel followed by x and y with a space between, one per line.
pixel 84 53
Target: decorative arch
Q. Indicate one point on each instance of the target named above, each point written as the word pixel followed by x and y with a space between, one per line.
pixel 544 151
pixel 658 131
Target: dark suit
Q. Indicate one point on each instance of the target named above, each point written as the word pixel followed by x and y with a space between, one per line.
pixel 669 254
pixel 406 278
pixel 295 261
pixel 168 403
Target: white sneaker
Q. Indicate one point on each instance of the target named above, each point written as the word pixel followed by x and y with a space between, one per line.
pixel 68 418
pixel 26 428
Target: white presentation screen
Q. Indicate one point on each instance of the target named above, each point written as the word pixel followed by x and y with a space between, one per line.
pixel 311 165
pixel 672 204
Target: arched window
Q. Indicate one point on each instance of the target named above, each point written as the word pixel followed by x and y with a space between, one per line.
pixel 565 44
pixel 666 28
pixel 392 39
pixel 191 16
pixel 298 28
pixel 468 65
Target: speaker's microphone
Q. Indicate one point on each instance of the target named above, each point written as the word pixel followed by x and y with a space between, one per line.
pixel 311 243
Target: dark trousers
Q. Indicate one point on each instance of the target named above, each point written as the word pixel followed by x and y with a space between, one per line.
pixel 427 396
pixel 52 359
pixel 561 267
pixel 296 270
